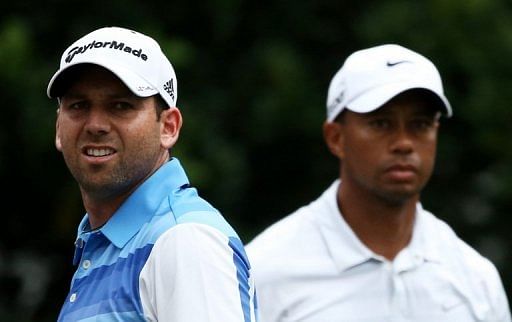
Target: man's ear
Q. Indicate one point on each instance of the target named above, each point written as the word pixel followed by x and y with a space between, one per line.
pixel 58 144
pixel 170 125
pixel 334 138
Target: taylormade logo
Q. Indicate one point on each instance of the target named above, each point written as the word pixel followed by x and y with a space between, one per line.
pixel 114 45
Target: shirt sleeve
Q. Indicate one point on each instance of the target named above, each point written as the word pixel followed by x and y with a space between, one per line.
pixel 501 308
pixel 194 273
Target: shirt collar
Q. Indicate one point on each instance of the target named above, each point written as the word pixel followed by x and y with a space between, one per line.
pixel 142 204
pixel 348 251
pixel 424 241
pixel 343 245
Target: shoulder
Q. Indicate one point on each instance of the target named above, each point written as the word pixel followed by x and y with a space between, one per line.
pixel 186 223
pixel 185 206
pixel 192 238
pixel 477 276
pixel 278 238
pixel 451 247
pixel 288 241
pixel 284 233
pixel 297 227
pixel 199 224
pixel 454 247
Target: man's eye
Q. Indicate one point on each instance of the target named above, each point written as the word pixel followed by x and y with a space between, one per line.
pixel 380 123
pixel 422 124
pixel 77 106
pixel 122 106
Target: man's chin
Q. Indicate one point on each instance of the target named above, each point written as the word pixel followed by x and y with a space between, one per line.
pixel 399 197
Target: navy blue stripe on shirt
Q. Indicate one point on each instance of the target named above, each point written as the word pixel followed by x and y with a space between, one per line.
pixel 242 273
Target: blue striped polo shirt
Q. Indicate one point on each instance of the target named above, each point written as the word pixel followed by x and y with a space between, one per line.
pixel 165 255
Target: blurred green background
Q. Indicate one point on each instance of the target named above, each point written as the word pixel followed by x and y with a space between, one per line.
pixel 252 84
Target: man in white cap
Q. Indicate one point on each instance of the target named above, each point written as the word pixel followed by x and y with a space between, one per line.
pixel 149 248
pixel 366 250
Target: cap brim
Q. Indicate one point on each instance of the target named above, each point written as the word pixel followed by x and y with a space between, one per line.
pixel 379 96
pixel 137 85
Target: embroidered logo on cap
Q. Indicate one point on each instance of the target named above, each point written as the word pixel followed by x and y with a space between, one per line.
pixel 391 64
pixel 107 45
pixel 169 88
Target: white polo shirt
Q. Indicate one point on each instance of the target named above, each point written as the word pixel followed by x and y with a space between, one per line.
pixel 311 267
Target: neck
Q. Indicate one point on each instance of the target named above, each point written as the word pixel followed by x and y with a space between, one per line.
pixel 384 227
pixel 101 204
pixel 100 210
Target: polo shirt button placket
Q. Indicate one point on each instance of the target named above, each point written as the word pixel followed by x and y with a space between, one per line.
pixel 402 296
pixel 86 264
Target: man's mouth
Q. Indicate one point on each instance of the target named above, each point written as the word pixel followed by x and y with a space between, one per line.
pixel 401 172
pixel 99 152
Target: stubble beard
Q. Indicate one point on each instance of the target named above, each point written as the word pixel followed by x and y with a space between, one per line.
pixel 104 183
pixel 399 194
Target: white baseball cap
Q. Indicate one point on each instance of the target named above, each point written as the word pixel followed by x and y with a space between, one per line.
pixel 371 77
pixel 132 56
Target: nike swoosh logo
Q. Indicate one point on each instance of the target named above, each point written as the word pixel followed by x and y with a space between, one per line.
pixel 391 64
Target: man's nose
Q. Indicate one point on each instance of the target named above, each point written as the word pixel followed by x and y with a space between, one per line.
pixel 402 139
pixel 97 122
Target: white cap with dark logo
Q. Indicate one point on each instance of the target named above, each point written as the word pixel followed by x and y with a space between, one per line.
pixel 133 57
pixel 371 77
